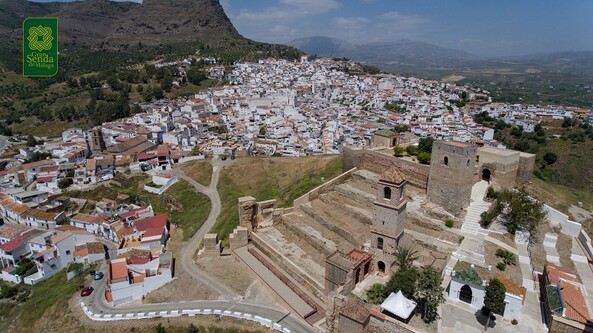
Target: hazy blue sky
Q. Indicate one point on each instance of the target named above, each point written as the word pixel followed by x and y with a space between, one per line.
pixel 484 27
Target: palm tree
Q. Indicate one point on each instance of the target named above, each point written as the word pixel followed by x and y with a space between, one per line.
pixel 404 257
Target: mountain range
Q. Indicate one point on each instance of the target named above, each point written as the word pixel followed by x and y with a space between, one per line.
pixel 408 53
pixel 404 52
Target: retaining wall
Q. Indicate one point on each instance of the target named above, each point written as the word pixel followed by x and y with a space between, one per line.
pixel 288 266
pixel 415 173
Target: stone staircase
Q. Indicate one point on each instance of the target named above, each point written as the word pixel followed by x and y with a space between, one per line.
pixel 471 222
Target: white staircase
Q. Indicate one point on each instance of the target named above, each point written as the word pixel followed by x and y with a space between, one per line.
pixel 471 222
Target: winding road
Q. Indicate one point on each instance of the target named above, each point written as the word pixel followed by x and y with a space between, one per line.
pixel 230 300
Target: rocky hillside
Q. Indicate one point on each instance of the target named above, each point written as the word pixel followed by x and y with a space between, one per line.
pixel 115 25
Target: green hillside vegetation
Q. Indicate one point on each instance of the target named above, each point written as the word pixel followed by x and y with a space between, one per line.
pixel 563 173
pixel 184 207
pixel 284 178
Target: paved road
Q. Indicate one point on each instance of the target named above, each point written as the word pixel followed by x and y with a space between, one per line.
pixel 231 300
pixel 189 250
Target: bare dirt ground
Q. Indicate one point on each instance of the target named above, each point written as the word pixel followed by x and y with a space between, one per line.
pixel 580 214
pixel 564 248
pixel 505 238
pixel 235 274
pixel 513 272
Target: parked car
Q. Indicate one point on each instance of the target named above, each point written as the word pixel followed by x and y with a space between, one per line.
pixel 86 291
pixel 98 276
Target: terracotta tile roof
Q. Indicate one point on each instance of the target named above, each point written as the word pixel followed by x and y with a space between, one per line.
pixel 61 236
pixel 574 303
pixel 18 208
pixel 151 222
pixel 67 227
pixel 355 311
pixel 10 231
pixel 135 254
pixel 82 252
pixel 41 215
pixel 95 248
pixel 37 164
pixel 86 218
pixel 557 273
pixel 119 269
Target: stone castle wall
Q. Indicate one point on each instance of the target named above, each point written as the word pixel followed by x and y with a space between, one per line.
pixel 452 169
pixel 415 173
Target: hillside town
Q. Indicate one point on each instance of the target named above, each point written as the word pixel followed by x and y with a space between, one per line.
pixel 347 232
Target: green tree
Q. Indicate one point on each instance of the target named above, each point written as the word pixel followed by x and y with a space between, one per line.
pixel 494 298
pixel 262 130
pixel 63 183
pixel 377 293
pixel 398 151
pixel 523 212
pixel 411 150
pixel 401 129
pixel 404 257
pixel 404 280
pixel 31 142
pixel 425 145
pixel 550 158
pixel 429 293
pixel 159 328
pixel 195 75
pixel 424 157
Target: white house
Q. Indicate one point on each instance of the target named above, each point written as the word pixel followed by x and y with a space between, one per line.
pixel 468 285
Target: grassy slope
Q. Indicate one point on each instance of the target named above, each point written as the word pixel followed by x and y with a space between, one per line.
pixel 284 178
pixel 53 293
pixel 201 171
pixel 189 209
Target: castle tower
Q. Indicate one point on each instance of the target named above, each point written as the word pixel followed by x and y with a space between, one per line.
pixel 97 141
pixel 389 217
pixel 452 169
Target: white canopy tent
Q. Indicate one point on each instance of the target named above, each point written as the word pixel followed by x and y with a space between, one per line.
pixel 399 305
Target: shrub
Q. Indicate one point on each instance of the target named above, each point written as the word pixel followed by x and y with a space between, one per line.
pixel 449 223
pixel 492 193
pixel 424 157
pixel 501 265
pixel 514 322
pixel 507 257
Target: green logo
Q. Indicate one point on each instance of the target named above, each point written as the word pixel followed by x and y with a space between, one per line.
pixel 40 46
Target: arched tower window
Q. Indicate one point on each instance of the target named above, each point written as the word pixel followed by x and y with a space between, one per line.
pixel 467 165
pixel 387 193
pixel 446 160
pixel 380 243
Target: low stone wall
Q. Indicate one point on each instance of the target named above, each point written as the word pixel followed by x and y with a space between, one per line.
pixel 389 325
pixel 288 266
pixel 325 187
pixel 310 240
pixel 585 241
pixel 191 158
pixel 334 228
pixel 416 173
pixel 562 325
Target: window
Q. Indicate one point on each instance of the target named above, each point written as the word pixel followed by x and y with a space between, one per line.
pixel 446 160
pixel 387 193
pixel 467 163
pixel 380 243
pixel 67 252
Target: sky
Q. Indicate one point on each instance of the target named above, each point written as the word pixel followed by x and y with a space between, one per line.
pixel 482 27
